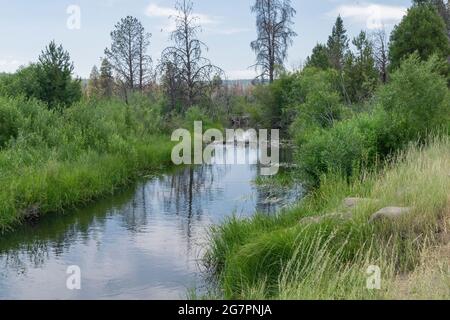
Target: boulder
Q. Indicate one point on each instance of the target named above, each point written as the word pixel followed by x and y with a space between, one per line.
pixel 390 213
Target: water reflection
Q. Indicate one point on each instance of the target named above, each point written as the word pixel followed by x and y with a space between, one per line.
pixel 142 244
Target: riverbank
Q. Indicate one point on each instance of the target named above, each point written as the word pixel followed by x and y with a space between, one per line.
pixel 322 248
pixel 53 161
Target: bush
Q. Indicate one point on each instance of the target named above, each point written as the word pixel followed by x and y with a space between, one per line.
pixel 413 105
pixel 55 160
pixel 9 118
pixel 417 100
pixel 343 149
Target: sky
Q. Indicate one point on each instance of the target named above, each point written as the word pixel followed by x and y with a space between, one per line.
pixel 83 27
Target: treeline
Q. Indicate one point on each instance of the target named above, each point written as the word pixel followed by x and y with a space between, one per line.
pixel 349 108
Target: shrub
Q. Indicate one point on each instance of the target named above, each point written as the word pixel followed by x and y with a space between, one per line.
pixel 9 118
pixel 343 149
pixel 417 100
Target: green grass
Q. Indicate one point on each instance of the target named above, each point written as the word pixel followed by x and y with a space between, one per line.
pixel 281 258
pixel 53 161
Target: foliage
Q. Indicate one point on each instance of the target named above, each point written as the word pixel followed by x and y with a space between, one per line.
pixel 50 80
pixel 360 73
pixel 338 44
pixel 417 101
pixel 53 161
pixel 128 53
pixel 54 75
pixel 423 31
pixel 319 58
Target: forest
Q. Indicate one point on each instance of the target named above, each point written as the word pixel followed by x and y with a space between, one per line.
pixel 367 118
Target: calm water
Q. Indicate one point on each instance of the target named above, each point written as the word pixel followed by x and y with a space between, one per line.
pixel 145 243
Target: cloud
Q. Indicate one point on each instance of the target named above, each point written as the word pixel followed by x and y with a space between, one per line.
pixel 210 24
pixel 154 10
pixel 9 64
pixel 375 16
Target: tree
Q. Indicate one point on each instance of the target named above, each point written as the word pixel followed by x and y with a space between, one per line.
pixel 274 21
pixel 423 31
pixel 381 53
pixel 184 61
pixel 106 79
pixel 338 44
pixel 54 75
pixel 93 89
pixel 128 53
pixel 360 73
pixel 172 84
pixel 442 8
pixel 319 58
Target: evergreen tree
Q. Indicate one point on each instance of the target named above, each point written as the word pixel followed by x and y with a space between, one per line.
pixel 106 79
pixel 338 44
pixel 54 75
pixel 360 73
pixel 319 58
pixel 93 89
pixel 423 31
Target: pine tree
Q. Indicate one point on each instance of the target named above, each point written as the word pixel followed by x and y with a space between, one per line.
pixel 423 31
pixel 338 44
pixel 106 79
pixel 93 89
pixel 319 58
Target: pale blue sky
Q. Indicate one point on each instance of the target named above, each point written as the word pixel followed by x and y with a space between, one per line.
pixel 228 28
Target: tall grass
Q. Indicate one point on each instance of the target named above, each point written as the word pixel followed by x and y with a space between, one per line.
pixel 51 161
pixel 281 257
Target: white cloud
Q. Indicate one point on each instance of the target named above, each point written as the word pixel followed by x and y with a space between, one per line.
pixel 375 16
pixel 154 10
pixel 210 24
pixel 9 64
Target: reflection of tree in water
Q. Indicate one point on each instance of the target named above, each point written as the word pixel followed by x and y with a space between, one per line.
pixel 186 195
pixel 188 192
pixel 33 244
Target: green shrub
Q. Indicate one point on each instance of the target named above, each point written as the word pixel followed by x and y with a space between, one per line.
pixel 343 149
pixel 58 159
pixel 9 118
pixel 417 101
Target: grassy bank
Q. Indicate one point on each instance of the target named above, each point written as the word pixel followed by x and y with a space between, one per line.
pixel 52 160
pixel 290 257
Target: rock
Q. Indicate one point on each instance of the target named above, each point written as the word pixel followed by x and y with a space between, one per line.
pixel 390 213
pixel 319 219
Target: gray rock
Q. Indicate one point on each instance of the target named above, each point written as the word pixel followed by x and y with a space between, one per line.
pixel 390 213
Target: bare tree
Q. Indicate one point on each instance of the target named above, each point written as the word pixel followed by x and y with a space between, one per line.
pixel 274 28
pixel 185 56
pixel 127 54
pixel 171 82
pixel 381 53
